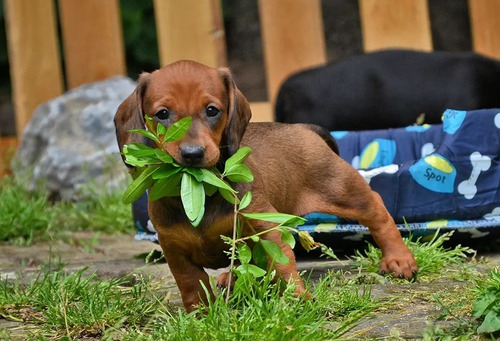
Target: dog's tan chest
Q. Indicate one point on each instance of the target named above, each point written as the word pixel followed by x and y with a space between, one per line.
pixel 202 245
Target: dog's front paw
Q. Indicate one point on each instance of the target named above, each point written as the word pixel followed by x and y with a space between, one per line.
pixel 400 263
pixel 302 293
pixel 226 281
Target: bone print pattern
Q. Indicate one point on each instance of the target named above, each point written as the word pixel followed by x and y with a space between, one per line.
pixel 424 172
pixel 480 164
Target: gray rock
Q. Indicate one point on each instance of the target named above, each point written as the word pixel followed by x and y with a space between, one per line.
pixel 70 141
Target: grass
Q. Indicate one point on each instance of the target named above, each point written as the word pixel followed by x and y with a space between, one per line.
pixel 80 305
pixel 53 305
pixel 31 216
pixel 260 314
pixel 76 305
pixel 57 305
pixel 432 257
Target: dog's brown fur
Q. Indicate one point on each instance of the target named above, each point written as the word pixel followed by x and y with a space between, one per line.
pixel 295 172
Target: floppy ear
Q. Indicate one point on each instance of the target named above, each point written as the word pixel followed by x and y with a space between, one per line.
pixel 238 111
pixel 130 115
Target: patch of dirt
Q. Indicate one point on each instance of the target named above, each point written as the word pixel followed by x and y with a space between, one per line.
pixel 111 255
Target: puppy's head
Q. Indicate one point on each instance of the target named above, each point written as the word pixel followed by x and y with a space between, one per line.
pixel 219 112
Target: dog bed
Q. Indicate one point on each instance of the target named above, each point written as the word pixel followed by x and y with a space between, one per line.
pixel 443 176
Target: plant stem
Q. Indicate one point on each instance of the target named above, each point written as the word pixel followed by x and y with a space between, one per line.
pixel 233 248
pixel 277 227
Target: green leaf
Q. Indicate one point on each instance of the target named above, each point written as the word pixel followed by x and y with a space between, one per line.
pixel 239 173
pixel 146 133
pixel 138 150
pixel 165 171
pixel 287 237
pixel 139 185
pixel 483 303
pixel 139 155
pixel 160 129
pixel 197 221
pixel 196 172
pixel 228 195
pixel 254 270
pixel 166 187
pixel 254 238
pixel 491 323
pixel 192 196
pixel 133 161
pixel 259 255
pixel 178 130
pixel 209 189
pixel 163 156
pixel 245 201
pixel 237 158
pixel 142 155
pixel 244 253
pixel 275 217
pixel 149 122
pixel 274 251
pixel 212 179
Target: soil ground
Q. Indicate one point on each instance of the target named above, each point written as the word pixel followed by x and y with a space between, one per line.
pixel 119 255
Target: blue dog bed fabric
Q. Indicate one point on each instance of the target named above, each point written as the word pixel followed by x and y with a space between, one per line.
pixel 443 176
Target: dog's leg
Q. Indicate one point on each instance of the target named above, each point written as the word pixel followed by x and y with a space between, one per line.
pixel 227 279
pixel 288 272
pixel 349 196
pixel 190 278
pixel 396 257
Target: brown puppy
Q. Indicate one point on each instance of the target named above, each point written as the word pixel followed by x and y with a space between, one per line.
pixel 296 171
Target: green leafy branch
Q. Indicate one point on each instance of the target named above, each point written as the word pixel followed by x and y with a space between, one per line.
pixel 254 261
pixel 158 171
pixel 286 224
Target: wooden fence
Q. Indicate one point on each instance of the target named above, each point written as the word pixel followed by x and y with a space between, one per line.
pixel 292 35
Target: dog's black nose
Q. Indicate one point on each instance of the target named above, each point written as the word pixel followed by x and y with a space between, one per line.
pixel 192 153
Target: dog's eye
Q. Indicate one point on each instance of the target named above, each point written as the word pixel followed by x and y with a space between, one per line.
pixel 212 111
pixel 163 114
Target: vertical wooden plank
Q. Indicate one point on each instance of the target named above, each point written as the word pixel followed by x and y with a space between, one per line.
pixel 190 29
pixel 33 55
pixel 262 112
pixel 292 34
pixel 485 26
pixel 391 24
pixel 92 39
pixel 7 147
